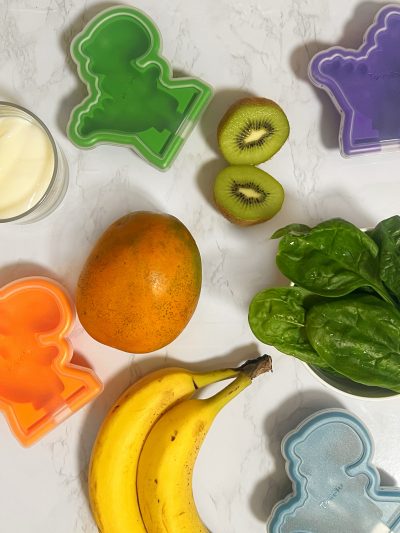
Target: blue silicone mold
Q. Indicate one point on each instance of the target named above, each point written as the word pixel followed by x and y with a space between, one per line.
pixel 335 486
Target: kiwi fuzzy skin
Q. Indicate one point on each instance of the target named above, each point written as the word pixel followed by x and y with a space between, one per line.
pixel 253 101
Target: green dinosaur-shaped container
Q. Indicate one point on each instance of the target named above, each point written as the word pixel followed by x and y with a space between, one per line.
pixel 133 99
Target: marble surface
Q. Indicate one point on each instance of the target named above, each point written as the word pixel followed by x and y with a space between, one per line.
pixel 240 47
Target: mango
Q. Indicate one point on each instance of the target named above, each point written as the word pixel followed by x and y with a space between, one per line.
pixel 141 283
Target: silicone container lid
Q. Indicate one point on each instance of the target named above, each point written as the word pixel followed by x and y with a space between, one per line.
pixel 39 386
pixel 132 99
pixel 364 85
pixel 335 486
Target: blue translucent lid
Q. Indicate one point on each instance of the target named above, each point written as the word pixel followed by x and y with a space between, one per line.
pixel 335 486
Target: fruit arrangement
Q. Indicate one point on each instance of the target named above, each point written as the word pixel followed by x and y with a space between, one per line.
pixel 141 283
pixel 153 431
pixel 250 133
pixel 342 313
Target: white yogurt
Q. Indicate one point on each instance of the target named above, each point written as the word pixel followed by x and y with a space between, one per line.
pixel 26 165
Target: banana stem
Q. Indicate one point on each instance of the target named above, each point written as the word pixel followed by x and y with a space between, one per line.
pixel 227 394
pixel 256 367
pixel 252 368
pixel 248 371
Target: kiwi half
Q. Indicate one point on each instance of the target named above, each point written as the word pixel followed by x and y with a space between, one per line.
pixel 247 195
pixel 252 131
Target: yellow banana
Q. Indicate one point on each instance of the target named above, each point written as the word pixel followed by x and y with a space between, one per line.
pixel 164 480
pixel 114 460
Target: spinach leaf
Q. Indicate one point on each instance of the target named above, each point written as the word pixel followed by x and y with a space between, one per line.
pixel 359 337
pixel 387 237
pixel 276 317
pixel 331 259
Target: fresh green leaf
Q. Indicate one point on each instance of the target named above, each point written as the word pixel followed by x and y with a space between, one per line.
pixel 359 337
pixel 292 229
pixel 276 317
pixel 331 259
pixel 387 237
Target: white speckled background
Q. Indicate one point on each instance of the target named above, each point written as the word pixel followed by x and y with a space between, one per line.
pixel 239 47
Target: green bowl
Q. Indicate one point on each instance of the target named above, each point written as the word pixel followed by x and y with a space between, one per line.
pixel 348 387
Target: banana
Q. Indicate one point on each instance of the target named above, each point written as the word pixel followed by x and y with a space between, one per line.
pixel 114 459
pixel 165 471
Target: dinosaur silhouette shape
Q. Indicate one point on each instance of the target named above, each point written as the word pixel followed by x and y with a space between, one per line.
pixel 365 85
pixel 335 486
pixel 39 387
pixel 132 97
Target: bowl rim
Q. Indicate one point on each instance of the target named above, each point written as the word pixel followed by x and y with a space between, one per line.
pixel 393 396
pixel 38 122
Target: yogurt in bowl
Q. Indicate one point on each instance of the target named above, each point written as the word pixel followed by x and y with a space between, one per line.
pixel 33 177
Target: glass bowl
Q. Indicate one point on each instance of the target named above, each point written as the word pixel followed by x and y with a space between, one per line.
pixel 58 184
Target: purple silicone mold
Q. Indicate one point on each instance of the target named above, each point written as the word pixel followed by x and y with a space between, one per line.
pixel 364 85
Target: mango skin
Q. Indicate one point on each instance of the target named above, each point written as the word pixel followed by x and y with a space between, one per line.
pixel 141 283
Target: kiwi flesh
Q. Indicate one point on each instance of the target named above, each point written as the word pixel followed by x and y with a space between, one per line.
pixel 252 131
pixel 247 195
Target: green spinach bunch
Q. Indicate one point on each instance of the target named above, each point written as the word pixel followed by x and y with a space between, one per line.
pixel 342 311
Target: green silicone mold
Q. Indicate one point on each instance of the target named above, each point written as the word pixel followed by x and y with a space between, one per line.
pixel 132 98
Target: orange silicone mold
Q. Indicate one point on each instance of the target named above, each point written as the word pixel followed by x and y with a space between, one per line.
pixel 39 386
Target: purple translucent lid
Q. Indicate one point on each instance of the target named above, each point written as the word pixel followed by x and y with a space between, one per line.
pixel 364 85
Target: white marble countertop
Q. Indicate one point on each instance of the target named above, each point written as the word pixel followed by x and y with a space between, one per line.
pixel 239 47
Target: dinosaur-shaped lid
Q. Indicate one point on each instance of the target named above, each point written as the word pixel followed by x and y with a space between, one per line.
pixel 364 85
pixel 335 486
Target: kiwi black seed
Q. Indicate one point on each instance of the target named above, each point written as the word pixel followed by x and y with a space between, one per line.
pixel 247 195
pixel 252 131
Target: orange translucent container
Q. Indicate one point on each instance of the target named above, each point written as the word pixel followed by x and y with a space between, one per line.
pixel 39 386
